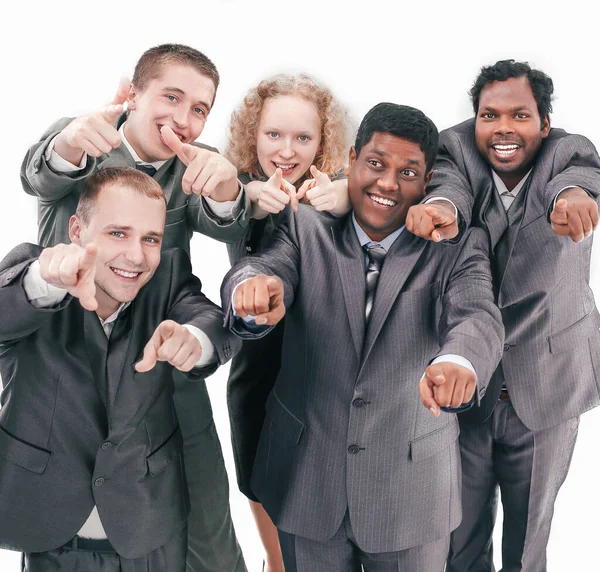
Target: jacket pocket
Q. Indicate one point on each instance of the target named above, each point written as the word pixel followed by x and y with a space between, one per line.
pixel 161 457
pixel 576 333
pixel 432 443
pixel 23 454
pixel 288 428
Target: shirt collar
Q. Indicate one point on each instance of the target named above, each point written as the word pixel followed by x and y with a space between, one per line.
pixel 157 164
pixel 115 314
pixel 363 238
pixel 501 187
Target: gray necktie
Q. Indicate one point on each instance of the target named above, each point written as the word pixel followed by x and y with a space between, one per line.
pixel 148 169
pixel 376 254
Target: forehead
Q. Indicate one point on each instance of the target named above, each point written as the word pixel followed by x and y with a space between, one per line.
pixel 185 78
pixel 512 93
pixel 290 112
pixel 394 149
pixel 120 205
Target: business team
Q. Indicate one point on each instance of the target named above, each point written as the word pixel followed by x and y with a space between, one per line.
pixel 441 339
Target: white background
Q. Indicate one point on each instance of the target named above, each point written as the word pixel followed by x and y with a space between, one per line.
pixel 65 58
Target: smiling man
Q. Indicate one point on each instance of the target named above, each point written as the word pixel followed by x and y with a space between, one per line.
pixel 351 467
pixel 168 102
pixel 91 469
pixel 534 190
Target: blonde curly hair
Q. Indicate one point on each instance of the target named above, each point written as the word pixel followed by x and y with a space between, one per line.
pixel 335 124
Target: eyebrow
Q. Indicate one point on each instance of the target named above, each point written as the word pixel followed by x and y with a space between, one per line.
pixel 120 228
pixel 180 91
pixel 409 161
pixel 512 109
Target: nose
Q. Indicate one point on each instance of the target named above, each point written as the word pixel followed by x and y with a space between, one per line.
pixel 504 125
pixel 135 253
pixel 388 182
pixel 180 117
pixel 287 150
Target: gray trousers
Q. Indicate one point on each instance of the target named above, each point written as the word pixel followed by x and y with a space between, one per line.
pixel 167 558
pixel 528 467
pixel 341 554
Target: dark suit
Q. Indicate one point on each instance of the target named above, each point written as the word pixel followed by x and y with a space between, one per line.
pixel 79 427
pixel 552 352
pixel 345 429
pixel 213 546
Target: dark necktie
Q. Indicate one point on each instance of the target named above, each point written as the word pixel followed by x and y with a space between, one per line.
pixel 376 254
pixel 148 169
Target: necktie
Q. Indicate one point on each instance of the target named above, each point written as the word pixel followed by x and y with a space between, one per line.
pixel 376 254
pixel 148 169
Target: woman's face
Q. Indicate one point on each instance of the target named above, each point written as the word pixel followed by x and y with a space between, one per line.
pixel 289 136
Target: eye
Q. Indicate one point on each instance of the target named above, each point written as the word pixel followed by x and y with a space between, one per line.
pixel 117 234
pixel 272 134
pixel 171 98
pixel 522 116
pixel 303 138
pixel 199 111
pixel 409 173
pixel 151 240
pixel 488 115
pixel 374 163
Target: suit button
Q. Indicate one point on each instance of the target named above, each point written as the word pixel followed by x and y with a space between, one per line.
pixel 506 347
pixel 358 402
pixel 106 445
pixel 353 449
pixel 248 249
pixel 99 482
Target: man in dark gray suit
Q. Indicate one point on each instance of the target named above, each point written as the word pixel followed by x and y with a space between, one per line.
pixel 530 188
pixel 168 102
pixel 350 466
pixel 91 467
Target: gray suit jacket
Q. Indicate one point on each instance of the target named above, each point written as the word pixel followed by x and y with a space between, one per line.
pixel 551 361
pixel 345 427
pixel 58 195
pixel 79 427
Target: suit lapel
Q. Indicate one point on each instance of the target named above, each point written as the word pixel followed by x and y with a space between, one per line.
pixel 494 215
pixel 398 264
pixel 351 265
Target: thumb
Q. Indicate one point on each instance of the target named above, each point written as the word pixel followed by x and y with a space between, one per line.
pixel 435 373
pixel 278 177
pixel 87 261
pixel 274 286
pixel 122 92
pixel 111 112
pixel 439 215
pixel 184 151
pixel 321 178
pixel 559 214
pixel 86 286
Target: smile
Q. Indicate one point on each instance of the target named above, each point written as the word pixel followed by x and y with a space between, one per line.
pixel 125 273
pixel 505 150
pixel 285 166
pixel 383 202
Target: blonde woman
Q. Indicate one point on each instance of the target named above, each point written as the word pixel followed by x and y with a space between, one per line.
pixel 289 140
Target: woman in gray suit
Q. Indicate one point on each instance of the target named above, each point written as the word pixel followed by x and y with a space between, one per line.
pixel 288 139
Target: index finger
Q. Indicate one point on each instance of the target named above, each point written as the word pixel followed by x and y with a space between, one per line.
pixel 426 394
pixel 291 191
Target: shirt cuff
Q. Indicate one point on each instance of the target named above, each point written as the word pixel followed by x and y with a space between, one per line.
pixel 448 201
pixel 227 209
pixel 458 360
pixel 60 165
pixel 208 349
pixel 39 293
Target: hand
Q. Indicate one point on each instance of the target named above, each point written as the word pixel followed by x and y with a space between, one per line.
pixel 73 268
pixel 173 343
pixel 262 297
pixel 325 195
pixel 93 133
pixel 575 214
pixel 435 221
pixel 276 193
pixel 208 174
pixel 446 384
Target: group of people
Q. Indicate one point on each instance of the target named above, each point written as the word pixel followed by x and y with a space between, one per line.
pixel 440 342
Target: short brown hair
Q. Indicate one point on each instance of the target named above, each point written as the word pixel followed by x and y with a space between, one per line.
pixel 125 176
pixel 149 65
pixel 335 123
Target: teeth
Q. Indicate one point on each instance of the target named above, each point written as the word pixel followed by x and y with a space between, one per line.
pixel 284 167
pixel 505 147
pixel 124 273
pixel 382 201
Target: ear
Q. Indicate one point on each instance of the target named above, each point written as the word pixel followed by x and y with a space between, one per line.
pixel 545 126
pixel 351 159
pixel 132 97
pixel 75 230
pixel 428 178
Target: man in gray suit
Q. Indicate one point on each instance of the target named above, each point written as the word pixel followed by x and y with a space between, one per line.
pixel 530 188
pixel 91 468
pixel 350 466
pixel 168 102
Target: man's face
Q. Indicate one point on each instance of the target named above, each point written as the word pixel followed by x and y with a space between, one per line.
pixel 288 136
pixel 127 228
pixel 181 98
pixel 384 181
pixel 508 129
